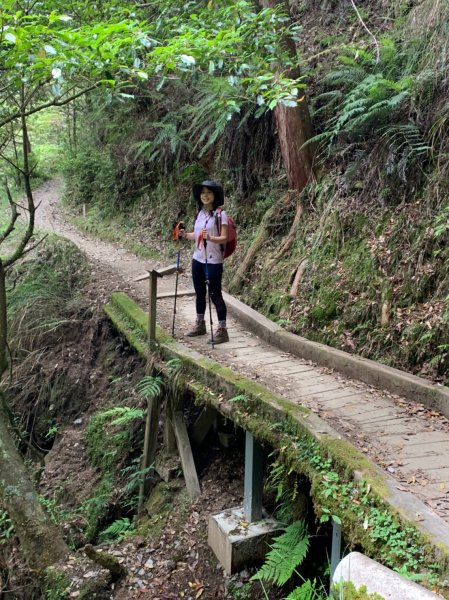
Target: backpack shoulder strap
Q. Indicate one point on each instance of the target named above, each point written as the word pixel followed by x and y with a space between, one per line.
pixel 218 220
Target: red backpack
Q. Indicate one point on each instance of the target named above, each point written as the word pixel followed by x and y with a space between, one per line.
pixel 230 245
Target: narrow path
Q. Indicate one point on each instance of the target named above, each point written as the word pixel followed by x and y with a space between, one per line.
pixel 409 442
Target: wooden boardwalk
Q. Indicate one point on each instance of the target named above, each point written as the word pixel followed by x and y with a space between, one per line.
pixel 409 442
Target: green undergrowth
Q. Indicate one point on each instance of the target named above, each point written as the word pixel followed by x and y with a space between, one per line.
pixel 361 505
pixel 375 284
pixel 45 293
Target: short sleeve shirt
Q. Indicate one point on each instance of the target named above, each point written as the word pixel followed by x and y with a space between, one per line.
pixel 214 251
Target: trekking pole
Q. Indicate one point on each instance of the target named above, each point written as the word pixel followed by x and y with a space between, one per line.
pixel 178 265
pixel 208 293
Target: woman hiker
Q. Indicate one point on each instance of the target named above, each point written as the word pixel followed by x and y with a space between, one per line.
pixel 207 260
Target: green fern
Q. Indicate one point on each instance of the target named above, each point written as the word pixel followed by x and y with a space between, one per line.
pixel 150 387
pixel 116 531
pixel 307 591
pixel 174 364
pixel 121 415
pixel 286 554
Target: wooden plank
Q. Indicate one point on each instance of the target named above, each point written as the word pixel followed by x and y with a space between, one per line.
pixel 171 294
pixel 271 359
pixel 238 345
pixel 185 453
pixel 203 424
pixel 166 270
pixel 316 389
pixel 293 368
pixel 338 398
pixel 149 446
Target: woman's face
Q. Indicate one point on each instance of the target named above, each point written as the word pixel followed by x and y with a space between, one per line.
pixel 207 197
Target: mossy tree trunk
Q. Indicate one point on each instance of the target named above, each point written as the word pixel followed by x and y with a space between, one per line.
pixel 41 542
pixel 3 321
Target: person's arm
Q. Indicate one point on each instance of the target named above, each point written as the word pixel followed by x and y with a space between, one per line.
pixel 187 235
pixel 217 239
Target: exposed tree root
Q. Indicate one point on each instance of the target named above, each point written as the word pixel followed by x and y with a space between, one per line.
pixel 288 242
pixel 262 236
pixel 302 265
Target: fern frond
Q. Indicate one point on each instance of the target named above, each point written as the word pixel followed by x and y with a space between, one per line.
pixel 125 414
pixel 349 75
pixel 286 554
pixel 174 364
pixel 307 591
pixel 150 387
pixel 119 415
pixel 116 531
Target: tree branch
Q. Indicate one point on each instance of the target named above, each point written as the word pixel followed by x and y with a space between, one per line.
pixel 376 43
pixel 54 102
pixel 14 215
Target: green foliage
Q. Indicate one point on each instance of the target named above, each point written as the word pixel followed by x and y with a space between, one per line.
pixel 133 476
pixel 150 387
pixel 286 554
pixel 230 47
pixel 6 527
pixel 348 591
pixel 108 436
pixel 46 293
pixel 91 178
pixel 94 509
pixel 307 591
pixel 283 482
pixel 116 531
pixel 52 508
pixel 370 105
pixel 56 584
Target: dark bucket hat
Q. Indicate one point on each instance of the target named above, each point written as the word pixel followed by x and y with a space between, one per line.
pixel 212 185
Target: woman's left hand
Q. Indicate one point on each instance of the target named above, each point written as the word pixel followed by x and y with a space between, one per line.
pixel 205 234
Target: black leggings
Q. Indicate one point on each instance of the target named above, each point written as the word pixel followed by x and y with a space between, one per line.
pixel 215 273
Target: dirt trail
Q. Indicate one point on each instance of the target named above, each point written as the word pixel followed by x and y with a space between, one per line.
pixel 114 268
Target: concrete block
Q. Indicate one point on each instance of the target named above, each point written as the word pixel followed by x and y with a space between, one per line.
pixel 238 544
pixel 361 570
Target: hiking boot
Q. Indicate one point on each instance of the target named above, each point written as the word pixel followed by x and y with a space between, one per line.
pixel 220 336
pixel 198 329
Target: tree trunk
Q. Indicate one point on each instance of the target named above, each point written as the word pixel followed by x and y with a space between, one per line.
pixel 3 322
pixel 41 542
pixel 294 129
pixel 294 126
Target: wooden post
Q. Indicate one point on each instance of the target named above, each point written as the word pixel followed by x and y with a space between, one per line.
pixel 152 308
pixel 169 433
pixel 152 277
pixel 149 447
pixel 185 453
pixel 253 488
